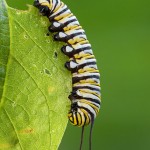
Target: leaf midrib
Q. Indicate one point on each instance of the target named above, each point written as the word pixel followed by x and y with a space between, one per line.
pixel 4 9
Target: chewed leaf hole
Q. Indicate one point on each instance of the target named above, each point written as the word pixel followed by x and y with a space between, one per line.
pixel 47 71
pixel 47 34
pixel 55 54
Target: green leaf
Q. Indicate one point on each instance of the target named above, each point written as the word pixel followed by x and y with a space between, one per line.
pixel 34 84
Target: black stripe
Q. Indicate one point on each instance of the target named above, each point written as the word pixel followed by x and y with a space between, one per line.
pixel 82 66
pixel 55 6
pixel 67 38
pixel 77 118
pixel 68 22
pixel 72 117
pixel 76 51
pixel 85 118
pixel 91 100
pixel 80 117
pixel 71 36
pixel 74 96
pixel 51 18
pixel 52 28
pixel 85 87
pixel 89 112
pixel 94 100
pixel 77 79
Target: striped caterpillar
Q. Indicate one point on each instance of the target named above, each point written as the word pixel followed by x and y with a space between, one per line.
pixel 85 96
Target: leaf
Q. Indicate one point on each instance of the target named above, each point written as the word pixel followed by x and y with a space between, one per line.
pixel 34 84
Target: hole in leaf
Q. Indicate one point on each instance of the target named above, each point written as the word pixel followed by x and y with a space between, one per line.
pixel 47 71
pixel 48 34
pixel 55 54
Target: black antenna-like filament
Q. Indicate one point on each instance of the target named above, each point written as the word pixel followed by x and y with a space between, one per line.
pixel 90 137
pixel 82 138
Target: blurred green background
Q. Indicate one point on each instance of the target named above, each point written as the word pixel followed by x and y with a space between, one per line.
pixel 119 32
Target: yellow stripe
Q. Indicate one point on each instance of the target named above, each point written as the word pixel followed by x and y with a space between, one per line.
pixel 61 16
pixel 80 83
pixel 67 28
pixel 83 42
pixel 92 105
pixel 83 119
pixel 90 80
pixel 75 39
pixel 89 56
pixel 74 121
pixel 79 119
pixel 46 4
pixel 84 58
pixel 62 20
pixel 61 5
pixel 80 43
pixel 77 28
pixel 87 117
pixel 90 93
pixel 51 4
pixel 89 70
pixel 81 54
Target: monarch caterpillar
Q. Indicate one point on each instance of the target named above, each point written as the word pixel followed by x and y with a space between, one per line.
pixel 85 96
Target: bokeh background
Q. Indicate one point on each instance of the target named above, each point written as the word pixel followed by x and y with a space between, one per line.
pixel 119 32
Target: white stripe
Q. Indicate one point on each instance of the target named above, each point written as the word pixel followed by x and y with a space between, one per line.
pixel 59 10
pixel 77 38
pixel 43 1
pixel 90 90
pixel 73 31
pixel 89 85
pixel 90 66
pixel 73 64
pixel 84 60
pixel 89 79
pixel 88 95
pixel 55 4
pixel 66 19
pixel 78 45
pixel 85 74
pixel 88 107
pixel 78 63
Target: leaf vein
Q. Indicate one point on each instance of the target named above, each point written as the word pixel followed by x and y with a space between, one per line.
pixel 14 128
pixel 40 91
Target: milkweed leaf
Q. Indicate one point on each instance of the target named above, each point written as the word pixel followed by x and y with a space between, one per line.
pixel 34 84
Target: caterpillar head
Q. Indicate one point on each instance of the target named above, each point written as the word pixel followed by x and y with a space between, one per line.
pixel 44 6
pixel 78 116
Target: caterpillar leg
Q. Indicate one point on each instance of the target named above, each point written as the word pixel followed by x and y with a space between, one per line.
pixel 56 27
pixel 71 65
pixel 67 50
pixel 61 36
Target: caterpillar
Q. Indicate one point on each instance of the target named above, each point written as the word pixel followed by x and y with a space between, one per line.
pixel 85 95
